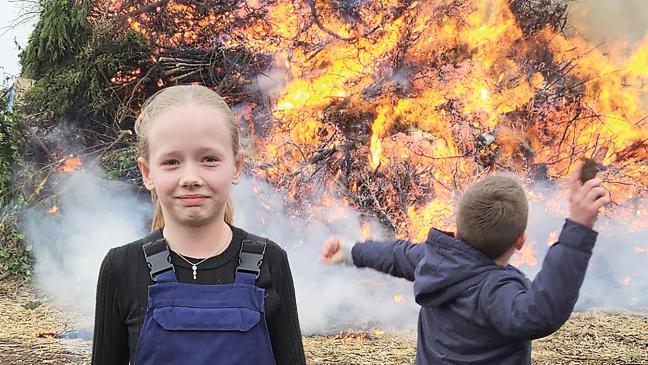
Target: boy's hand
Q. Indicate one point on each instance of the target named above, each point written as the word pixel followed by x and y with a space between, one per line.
pixel 585 199
pixel 332 251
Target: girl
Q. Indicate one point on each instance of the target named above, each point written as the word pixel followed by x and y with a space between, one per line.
pixel 197 290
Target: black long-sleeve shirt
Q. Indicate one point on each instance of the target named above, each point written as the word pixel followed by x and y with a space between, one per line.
pixel 122 298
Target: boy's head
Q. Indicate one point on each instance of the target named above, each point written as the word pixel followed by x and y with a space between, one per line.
pixel 492 215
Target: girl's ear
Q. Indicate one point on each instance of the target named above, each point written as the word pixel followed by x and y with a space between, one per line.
pixel 146 171
pixel 238 168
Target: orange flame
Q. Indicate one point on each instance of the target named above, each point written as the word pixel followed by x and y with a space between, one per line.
pixel 46 335
pixel 438 214
pixel 486 104
pixel 71 164
pixel 53 210
pixel 350 334
pixel 365 232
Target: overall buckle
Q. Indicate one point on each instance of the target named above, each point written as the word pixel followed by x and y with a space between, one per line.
pixel 157 257
pixel 250 258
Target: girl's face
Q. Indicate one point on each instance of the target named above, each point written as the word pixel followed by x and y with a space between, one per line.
pixel 191 165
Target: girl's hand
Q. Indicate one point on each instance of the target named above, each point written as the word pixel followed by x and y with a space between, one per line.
pixel 332 251
pixel 586 198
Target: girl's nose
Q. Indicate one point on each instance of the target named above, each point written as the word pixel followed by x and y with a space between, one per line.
pixel 190 183
pixel 190 177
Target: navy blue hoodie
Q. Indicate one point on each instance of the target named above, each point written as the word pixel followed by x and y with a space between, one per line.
pixel 475 312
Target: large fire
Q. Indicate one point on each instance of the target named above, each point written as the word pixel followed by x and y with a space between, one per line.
pixel 397 105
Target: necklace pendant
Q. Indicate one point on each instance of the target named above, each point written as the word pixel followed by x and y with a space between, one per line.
pixel 194 268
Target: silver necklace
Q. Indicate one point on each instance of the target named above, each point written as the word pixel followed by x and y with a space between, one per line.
pixel 194 266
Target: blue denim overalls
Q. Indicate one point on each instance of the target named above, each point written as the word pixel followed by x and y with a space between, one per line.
pixel 198 324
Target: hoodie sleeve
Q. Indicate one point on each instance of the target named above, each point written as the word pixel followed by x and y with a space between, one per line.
pixel 396 258
pixel 522 311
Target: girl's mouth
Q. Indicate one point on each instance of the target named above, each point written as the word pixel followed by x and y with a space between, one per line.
pixel 190 200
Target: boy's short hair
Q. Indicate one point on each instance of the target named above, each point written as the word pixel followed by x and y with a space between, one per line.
pixel 493 215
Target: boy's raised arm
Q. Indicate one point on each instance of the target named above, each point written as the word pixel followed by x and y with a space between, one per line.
pixel 543 307
pixel 397 258
pixel 538 310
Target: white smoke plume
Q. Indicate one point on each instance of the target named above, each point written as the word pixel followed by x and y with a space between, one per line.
pixel 92 215
pixel 96 214
pixel 609 23
pixel 329 297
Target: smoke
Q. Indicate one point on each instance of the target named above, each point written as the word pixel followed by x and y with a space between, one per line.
pixel 96 214
pixel 92 215
pixel 329 297
pixel 609 22
pixel 270 83
pixel 616 274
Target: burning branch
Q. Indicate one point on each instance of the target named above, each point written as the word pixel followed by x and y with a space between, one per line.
pixel 316 20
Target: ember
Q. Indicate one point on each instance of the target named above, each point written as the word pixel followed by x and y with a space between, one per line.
pixel 352 335
pixel 70 164
pixel 47 335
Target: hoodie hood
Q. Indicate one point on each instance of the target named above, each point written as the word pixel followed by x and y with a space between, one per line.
pixel 448 267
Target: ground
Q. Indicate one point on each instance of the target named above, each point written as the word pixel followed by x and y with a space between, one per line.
pixel 29 326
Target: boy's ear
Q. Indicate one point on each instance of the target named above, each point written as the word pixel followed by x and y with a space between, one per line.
pixel 143 166
pixel 520 241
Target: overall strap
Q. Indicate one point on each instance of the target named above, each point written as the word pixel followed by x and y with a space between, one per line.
pixel 250 259
pixel 158 259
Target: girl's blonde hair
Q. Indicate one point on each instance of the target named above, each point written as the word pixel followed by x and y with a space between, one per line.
pixel 169 98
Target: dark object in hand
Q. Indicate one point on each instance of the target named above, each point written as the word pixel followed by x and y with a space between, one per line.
pixel 590 169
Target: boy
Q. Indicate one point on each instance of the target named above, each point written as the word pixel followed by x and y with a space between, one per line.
pixel 475 308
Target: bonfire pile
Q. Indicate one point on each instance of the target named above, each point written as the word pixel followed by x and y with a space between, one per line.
pixel 394 106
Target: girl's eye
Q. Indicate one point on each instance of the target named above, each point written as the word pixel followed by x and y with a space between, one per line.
pixel 210 160
pixel 171 162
